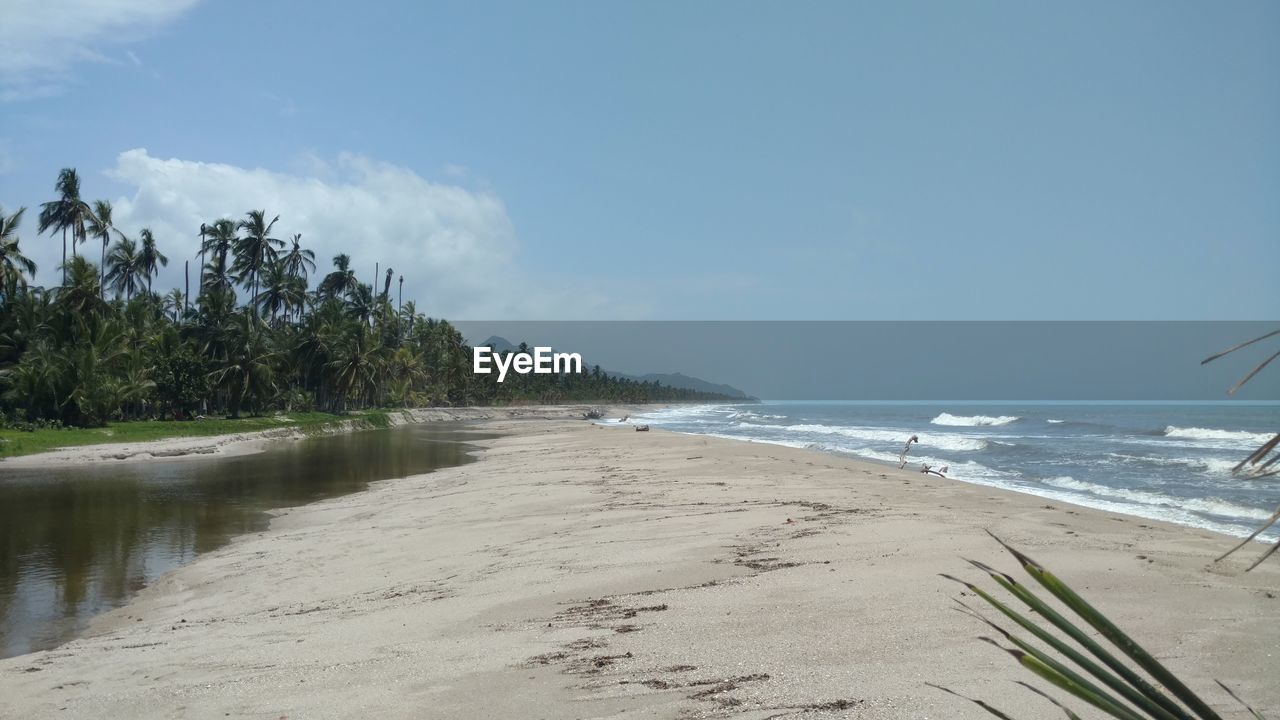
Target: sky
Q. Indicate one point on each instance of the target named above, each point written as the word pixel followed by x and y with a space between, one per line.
pixel 740 160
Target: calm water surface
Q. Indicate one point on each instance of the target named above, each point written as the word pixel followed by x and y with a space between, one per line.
pixel 77 541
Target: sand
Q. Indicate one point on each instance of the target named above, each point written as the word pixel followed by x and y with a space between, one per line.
pixel 580 571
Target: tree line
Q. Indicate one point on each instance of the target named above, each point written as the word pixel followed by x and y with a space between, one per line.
pixel 254 336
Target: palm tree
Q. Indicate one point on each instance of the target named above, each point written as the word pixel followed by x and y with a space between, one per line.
pixel 217 239
pixel 386 284
pixel 173 303
pixel 408 314
pixel 282 293
pixel 256 249
pixel 125 263
pixel 80 295
pixel 13 264
pixel 217 278
pixel 204 229
pixel 360 303
pixel 100 227
pixel 299 261
pixel 150 256
pixel 342 280
pixel 68 212
pixel 248 371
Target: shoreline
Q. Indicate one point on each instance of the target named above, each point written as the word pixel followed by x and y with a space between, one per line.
pixel 596 573
pixel 244 443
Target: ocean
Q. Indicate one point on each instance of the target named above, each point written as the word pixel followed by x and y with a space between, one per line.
pixel 1160 461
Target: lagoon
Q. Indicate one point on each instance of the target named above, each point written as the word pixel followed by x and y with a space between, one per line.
pixel 75 541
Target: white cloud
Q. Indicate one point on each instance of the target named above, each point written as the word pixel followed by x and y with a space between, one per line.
pixel 455 247
pixel 43 39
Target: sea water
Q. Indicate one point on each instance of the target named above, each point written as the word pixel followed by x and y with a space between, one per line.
pixel 1162 461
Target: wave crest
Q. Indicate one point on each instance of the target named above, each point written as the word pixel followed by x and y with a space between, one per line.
pixel 1208 505
pixel 973 420
pixel 1195 433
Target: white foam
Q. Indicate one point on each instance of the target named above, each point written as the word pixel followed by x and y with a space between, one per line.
pixel 1208 505
pixel 749 415
pixel 1055 422
pixel 972 420
pixel 890 438
pixel 1208 465
pixel 1195 433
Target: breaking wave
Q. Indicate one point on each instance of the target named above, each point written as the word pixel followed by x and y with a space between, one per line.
pixel 888 438
pixel 1208 505
pixel 973 420
pixel 1195 433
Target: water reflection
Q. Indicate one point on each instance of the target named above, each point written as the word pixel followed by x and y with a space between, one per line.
pixel 76 541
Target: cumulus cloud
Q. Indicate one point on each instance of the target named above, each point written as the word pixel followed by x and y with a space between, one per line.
pixel 456 247
pixel 43 39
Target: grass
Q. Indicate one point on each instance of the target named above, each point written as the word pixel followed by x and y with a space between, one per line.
pixel 16 442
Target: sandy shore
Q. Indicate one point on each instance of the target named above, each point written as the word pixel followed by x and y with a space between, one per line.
pixel 580 571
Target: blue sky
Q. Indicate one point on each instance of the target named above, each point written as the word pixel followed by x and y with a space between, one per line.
pixel 708 160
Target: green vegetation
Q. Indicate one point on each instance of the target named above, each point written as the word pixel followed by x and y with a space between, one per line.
pixel 256 338
pixel 1124 682
pixel 15 442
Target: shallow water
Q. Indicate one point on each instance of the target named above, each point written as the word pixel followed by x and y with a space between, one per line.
pixel 77 541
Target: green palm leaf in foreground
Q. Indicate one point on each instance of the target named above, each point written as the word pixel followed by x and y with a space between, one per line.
pixel 1128 683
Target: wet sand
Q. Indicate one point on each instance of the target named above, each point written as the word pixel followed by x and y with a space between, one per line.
pixel 581 571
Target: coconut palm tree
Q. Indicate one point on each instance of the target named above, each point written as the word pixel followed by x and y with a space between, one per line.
pixel 204 230
pixel 125 267
pixel 342 280
pixel 13 264
pixel 281 293
pixel 256 248
pixel 68 212
pixel 80 295
pixel 386 285
pixel 299 261
pixel 173 303
pixel 217 240
pixel 360 303
pixel 217 277
pixel 100 227
pixel 248 371
pixel 150 257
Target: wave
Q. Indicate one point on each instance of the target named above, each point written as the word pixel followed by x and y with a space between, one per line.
pixel 749 415
pixel 1055 422
pixel 1209 465
pixel 1195 433
pixel 890 438
pixel 973 420
pixel 1207 505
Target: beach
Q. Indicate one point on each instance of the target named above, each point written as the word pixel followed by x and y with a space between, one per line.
pixel 582 571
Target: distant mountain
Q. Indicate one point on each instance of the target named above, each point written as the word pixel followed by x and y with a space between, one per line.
pixel 498 344
pixel 680 380
pixel 675 380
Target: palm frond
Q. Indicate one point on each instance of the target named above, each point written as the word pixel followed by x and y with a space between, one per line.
pixel 1073 670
